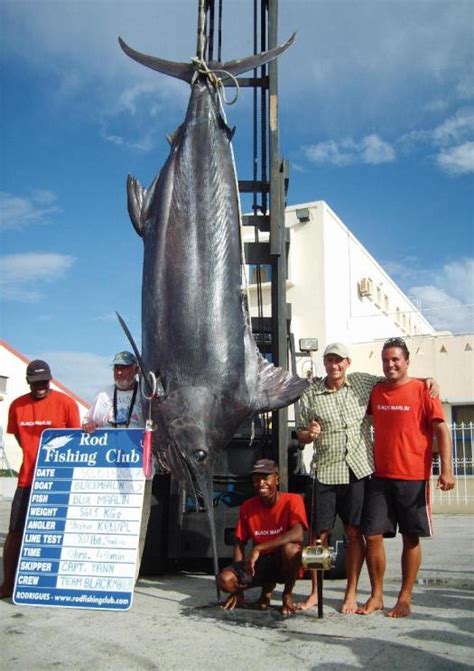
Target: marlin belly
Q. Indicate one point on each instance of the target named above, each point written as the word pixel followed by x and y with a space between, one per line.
pixel 192 314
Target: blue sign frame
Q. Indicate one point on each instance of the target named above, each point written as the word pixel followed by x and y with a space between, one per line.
pixel 80 542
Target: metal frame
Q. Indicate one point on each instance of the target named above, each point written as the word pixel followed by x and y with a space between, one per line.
pixel 272 212
pixel 269 183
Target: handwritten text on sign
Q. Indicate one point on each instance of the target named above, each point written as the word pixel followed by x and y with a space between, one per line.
pixel 82 529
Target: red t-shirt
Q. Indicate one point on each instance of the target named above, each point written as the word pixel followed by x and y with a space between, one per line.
pixel 28 418
pixel 261 523
pixel 403 419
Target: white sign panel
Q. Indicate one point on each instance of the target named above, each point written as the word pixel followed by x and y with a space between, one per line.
pixel 82 529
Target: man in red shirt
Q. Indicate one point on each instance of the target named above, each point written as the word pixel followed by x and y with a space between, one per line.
pixel 274 521
pixel 29 415
pixel 405 419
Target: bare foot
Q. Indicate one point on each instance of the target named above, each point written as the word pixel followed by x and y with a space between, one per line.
pixel 370 606
pixel 289 606
pixel 401 609
pixel 349 606
pixel 233 601
pixel 262 603
pixel 310 602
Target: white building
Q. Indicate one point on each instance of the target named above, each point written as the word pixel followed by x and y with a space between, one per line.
pixel 338 292
pixel 13 384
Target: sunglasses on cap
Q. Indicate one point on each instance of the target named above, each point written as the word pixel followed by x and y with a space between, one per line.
pixel 395 342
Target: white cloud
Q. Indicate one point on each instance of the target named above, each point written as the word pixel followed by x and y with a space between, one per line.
pixel 443 310
pixel 371 150
pixel 374 150
pixel 445 295
pixel 83 373
pixel 457 160
pixel 21 275
pixel 465 88
pixel 458 127
pixel 459 277
pixel 451 141
pixel 17 212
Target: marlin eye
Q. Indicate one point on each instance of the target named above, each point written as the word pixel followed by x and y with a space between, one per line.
pixel 199 455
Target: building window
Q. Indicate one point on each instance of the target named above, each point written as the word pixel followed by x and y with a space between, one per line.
pixel 264 276
pixel 379 297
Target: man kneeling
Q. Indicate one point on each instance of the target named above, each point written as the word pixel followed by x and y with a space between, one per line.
pixel 275 522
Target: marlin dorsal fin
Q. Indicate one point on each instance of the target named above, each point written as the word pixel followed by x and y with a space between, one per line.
pixel 138 202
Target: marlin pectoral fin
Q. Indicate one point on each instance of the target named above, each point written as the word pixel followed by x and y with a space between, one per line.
pixel 276 388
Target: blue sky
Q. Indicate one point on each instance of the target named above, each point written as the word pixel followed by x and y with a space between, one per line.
pixel 377 119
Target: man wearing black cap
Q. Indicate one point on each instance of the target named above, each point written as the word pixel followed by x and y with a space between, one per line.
pixel 29 415
pixel 274 521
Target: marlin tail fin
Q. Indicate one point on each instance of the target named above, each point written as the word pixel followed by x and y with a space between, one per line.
pixel 186 71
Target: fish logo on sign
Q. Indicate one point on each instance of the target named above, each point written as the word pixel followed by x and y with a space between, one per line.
pixel 56 443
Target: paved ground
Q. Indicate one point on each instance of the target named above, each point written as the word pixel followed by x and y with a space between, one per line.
pixel 174 623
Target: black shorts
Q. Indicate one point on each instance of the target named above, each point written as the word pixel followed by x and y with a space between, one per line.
pixel 391 503
pixel 19 509
pixel 328 500
pixel 267 570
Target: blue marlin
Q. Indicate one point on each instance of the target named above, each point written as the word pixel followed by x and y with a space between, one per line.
pixel 196 332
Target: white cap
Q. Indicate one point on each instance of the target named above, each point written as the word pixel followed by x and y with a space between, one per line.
pixel 339 349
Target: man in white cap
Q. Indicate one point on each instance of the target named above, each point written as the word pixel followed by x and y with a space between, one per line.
pixel 28 416
pixel 119 406
pixel 333 417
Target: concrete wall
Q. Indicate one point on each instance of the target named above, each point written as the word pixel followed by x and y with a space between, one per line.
pixel 326 267
pixel 448 358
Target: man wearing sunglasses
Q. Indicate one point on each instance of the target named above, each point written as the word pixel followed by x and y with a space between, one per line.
pixel 405 420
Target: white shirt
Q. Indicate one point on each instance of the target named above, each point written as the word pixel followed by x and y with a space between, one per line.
pixel 102 409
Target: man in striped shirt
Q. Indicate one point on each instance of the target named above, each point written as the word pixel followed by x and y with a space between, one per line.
pixel 333 417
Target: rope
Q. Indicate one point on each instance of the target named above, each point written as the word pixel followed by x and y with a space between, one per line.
pixel 202 68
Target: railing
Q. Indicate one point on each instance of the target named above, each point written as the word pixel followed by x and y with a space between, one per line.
pixel 463 468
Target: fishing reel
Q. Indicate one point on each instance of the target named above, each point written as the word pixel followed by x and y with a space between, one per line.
pixel 318 557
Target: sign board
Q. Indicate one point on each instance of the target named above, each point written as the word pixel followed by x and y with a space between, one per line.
pixel 82 529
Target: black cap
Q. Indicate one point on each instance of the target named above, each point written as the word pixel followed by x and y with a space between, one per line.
pixel 265 466
pixel 38 371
